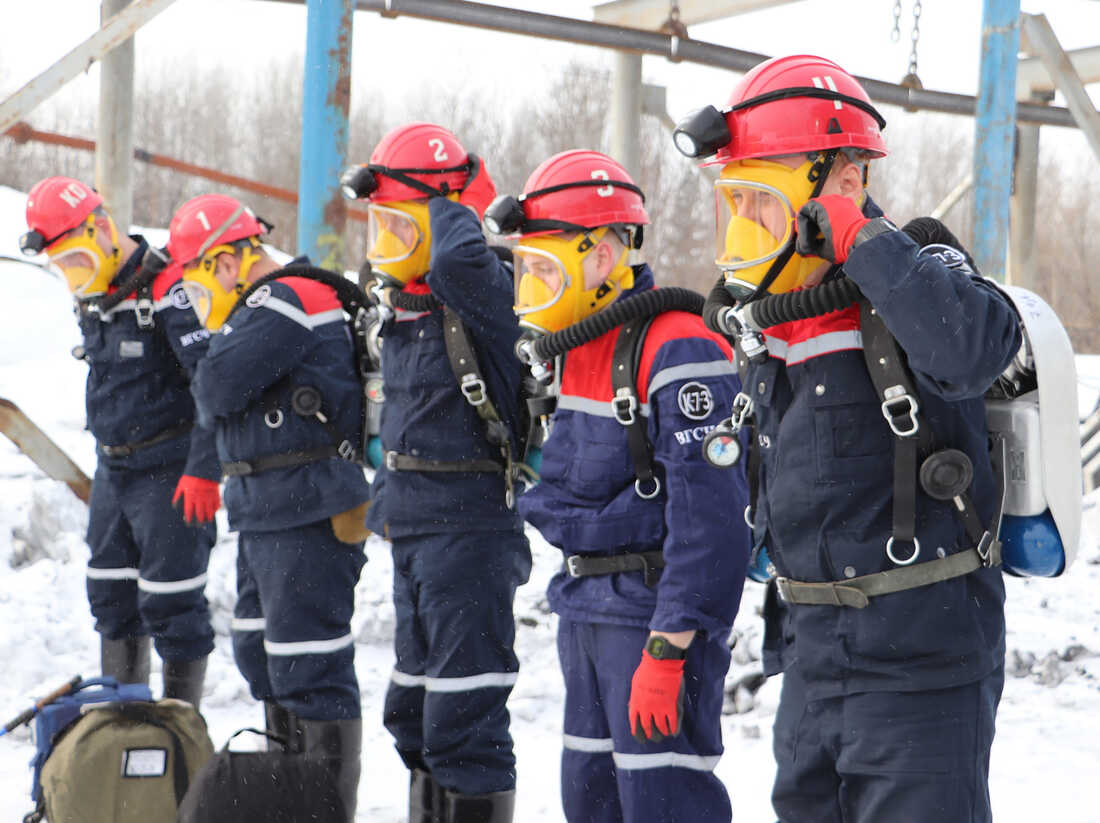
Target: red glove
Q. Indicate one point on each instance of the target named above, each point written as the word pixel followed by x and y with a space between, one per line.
pixel 656 698
pixel 480 190
pixel 200 498
pixel 837 219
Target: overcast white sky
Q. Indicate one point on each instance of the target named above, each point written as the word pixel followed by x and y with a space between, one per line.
pixel 405 53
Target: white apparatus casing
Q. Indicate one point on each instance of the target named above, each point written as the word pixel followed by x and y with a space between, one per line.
pixel 1041 428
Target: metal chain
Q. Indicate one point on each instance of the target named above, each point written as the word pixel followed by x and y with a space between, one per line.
pixel 895 34
pixel 915 37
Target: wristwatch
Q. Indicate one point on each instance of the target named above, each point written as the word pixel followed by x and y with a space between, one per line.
pixel 660 649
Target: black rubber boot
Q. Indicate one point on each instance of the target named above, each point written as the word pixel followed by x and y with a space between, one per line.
pixel 338 743
pixel 425 798
pixel 125 659
pixel 280 722
pixel 183 680
pixel 497 807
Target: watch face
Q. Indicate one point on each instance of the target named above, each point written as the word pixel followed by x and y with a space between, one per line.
pixel 660 649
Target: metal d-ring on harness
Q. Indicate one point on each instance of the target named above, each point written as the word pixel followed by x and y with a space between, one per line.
pixel 624 405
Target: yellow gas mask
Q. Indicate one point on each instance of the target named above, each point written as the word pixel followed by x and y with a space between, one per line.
pixel 210 300
pixel 550 280
pixel 82 262
pixel 756 206
pixel 399 240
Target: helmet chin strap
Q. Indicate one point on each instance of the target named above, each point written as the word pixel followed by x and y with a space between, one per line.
pixel 818 173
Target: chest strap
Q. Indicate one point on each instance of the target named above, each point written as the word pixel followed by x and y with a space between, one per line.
pixel 648 563
pixel 856 592
pixel 624 382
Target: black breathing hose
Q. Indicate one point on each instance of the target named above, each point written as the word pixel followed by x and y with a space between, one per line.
pixel 351 297
pixel 413 302
pixel 643 304
pixel 828 297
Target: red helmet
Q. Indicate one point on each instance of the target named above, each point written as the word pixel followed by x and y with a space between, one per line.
pixel 796 104
pixel 209 220
pixel 57 204
pixel 412 149
pixel 583 201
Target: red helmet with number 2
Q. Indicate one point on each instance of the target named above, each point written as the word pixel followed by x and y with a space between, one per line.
pixel 418 146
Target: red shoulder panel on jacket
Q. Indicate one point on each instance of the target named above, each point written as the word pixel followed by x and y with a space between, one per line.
pixel 316 297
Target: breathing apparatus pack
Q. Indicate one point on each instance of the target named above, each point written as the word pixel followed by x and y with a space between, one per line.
pixel 520 464
pixel 1031 415
pixel 306 400
pixel 634 314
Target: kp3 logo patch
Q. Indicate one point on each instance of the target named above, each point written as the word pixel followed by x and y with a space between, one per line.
pixel 695 401
pixel 258 297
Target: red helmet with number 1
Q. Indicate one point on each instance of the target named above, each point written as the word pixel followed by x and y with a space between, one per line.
pixel 202 229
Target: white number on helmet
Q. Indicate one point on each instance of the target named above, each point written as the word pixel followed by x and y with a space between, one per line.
pixel 202 219
pixel 603 191
pixel 440 151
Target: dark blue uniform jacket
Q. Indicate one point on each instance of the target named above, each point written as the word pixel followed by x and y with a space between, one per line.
pixel 586 503
pixel 425 414
pixel 138 378
pixel 826 481
pixel 291 333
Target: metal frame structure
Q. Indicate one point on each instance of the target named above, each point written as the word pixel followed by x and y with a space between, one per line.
pixel 327 75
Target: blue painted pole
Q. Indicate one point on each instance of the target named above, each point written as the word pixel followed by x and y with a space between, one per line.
pixel 995 126
pixel 326 96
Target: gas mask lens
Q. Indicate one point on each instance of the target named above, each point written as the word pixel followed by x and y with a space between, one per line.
pixel 540 280
pixel 392 235
pixel 78 266
pixel 754 222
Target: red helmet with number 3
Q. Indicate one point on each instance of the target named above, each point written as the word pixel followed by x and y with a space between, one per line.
pixel 585 205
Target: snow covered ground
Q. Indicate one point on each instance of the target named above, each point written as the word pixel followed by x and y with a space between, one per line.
pixel 1046 753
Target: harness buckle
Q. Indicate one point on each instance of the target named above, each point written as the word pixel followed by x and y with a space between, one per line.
pixel 346 450
pixel 391 461
pixel 624 405
pixel 897 407
pixel 473 388
pixel 143 311
pixel 571 564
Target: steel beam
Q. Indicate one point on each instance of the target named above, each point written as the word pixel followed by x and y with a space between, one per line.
pixel 1023 267
pixel 1032 75
pixel 114 32
pixel 650 14
pixel 114 167
pixel 322 211
pixel 626 111
pixel 585 32
pixel 994 132
pixel 1042 40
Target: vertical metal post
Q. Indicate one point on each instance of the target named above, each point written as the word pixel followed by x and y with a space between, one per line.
pixel 114 154
pixel 626 111
pixel 1022 268
pixel 325 103
pixel 994 132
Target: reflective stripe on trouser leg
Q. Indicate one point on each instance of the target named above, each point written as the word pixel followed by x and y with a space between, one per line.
pixel 454 595
pixel 147 572
pixel 247 630
pixel 598 661
pixel 305 583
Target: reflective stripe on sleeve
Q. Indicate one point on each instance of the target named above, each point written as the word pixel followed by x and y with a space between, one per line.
pixel 310 321
pixel 587 744
pixel 247 624
pixel 664 760
pixel 687 371
pixel 112 574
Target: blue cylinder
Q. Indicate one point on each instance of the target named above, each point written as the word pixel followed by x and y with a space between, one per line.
pixel 1031 546
pixel 326 98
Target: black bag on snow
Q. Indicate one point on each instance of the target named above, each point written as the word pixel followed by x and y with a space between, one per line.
pixel 270 786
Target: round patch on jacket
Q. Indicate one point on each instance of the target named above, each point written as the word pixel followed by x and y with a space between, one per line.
pixel 258 297
pixel 696 401
pixel 177 295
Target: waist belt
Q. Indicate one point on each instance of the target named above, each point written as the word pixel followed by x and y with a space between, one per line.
pixel 648 563
pixel 127 449
pixel 242 468
pixel 857 591
pixel 397 462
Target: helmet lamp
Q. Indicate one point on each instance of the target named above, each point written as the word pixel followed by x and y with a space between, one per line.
pixel 702 133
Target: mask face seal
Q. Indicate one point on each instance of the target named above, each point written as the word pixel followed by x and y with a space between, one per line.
pixel 80 260
pixel 398 240
pixel 210 300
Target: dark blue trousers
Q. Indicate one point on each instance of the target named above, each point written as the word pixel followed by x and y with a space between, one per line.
pixel 906 757
pixel 292 622
pixel 446 703
pixel 147 572
pixel 609 777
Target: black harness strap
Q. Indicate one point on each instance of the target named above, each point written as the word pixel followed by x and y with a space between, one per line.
pixel 627 410
pixel 398 462
pixel 127 449
pixel 648 563
pixel 244 468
